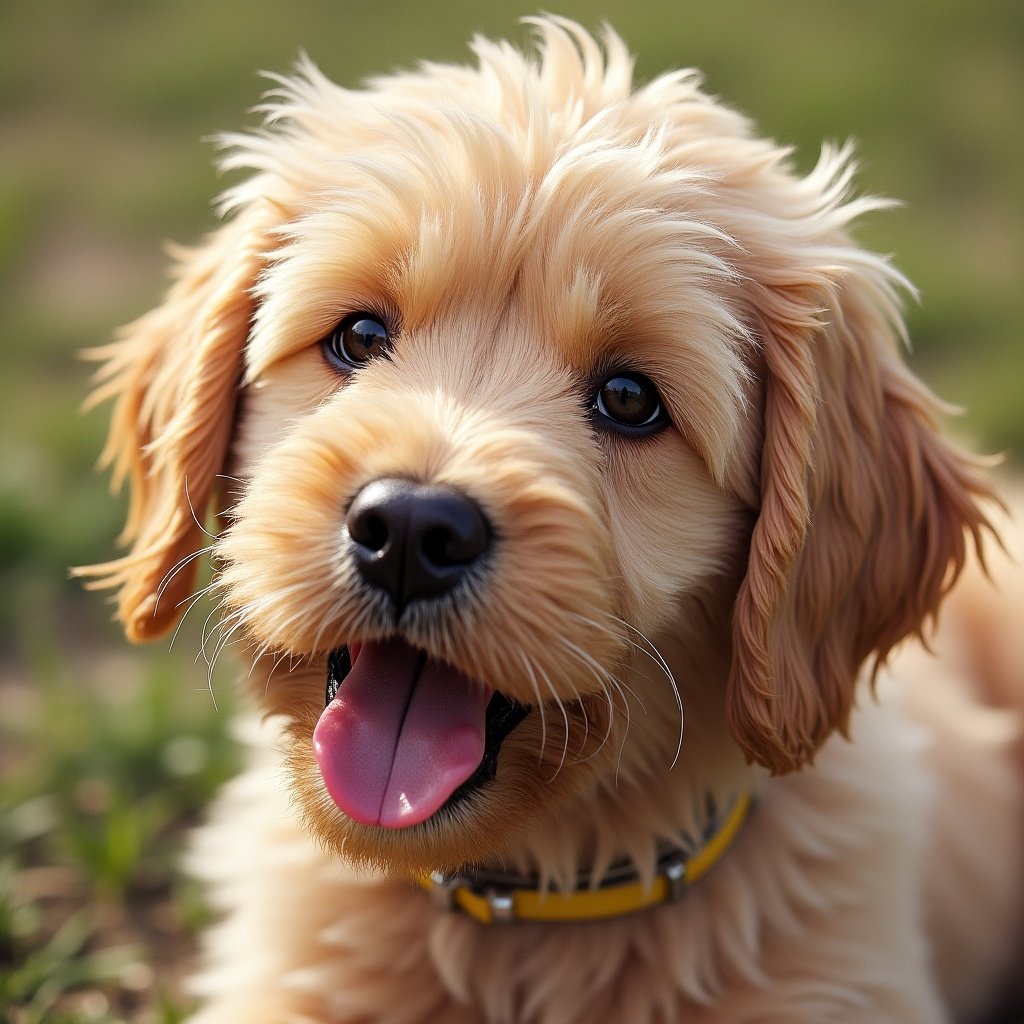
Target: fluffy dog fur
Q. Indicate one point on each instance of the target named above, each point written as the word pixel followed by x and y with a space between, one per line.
pixel 526 227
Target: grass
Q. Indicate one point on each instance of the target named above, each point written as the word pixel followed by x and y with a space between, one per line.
pixel 109 768
pixel 108 756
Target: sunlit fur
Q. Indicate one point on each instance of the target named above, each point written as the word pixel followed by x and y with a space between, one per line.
pixel 687 614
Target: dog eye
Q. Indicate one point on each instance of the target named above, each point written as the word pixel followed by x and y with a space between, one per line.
pixel 359 338
pixel 630 403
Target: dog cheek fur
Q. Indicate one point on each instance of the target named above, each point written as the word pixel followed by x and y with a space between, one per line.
pixel 661 500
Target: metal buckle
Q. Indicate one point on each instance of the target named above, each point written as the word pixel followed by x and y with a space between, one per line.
pixel 502 906
pixel 443 888
pixel 674 870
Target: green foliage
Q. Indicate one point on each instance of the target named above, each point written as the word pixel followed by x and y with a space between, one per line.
pixel 110 771
pixel 41 975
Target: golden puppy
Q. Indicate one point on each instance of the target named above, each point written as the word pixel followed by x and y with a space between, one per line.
pixel 558 432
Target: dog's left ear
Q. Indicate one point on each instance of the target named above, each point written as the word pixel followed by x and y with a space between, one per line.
pixel 173 376
pixel 866 513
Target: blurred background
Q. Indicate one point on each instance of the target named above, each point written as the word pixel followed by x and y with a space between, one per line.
pixel 107 754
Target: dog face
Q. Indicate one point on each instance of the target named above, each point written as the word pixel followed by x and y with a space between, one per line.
pixel 541 376
pixel 496 382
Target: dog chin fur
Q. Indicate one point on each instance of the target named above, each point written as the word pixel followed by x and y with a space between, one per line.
pixel 699 612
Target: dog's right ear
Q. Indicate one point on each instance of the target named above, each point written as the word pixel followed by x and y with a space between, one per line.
pixel 868 514
pixel 173 376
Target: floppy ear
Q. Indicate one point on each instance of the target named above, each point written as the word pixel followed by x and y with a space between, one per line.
pixel 173 376
pixel 865 513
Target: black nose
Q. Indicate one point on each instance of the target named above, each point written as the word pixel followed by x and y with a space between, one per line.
pixel 415 540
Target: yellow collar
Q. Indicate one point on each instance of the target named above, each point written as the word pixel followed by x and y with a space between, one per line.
pixel 493 898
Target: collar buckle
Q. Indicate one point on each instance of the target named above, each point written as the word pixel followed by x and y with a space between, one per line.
pixel 674 871
pixel 445 889
pixel 502 906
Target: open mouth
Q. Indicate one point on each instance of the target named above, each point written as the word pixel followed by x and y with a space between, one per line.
pixel 404 735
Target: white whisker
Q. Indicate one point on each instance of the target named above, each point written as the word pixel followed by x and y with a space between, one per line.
pixel 603 678
pixel 205 637
pixel 273 669
pixel 565 719
pixel 174 570
pixel 659 659
pixel 195 518
pixel 224 642
pixel 226 626
pixel 651 651
pixel 625 731
pixel 191 601
pixel 540 704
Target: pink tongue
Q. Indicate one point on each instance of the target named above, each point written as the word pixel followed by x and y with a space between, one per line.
pixel 402 734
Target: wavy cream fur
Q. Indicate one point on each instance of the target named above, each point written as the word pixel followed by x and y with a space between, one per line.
pixel 689 615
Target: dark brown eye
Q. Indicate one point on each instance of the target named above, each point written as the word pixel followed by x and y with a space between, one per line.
pixel 630 403
pixel 359 338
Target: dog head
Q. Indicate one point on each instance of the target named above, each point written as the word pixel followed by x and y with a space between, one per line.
pixel 517 378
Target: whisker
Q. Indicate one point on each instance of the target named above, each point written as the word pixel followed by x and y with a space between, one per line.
pixel 606 693
pixel 659 659
pixel 625 689
pixel 261 652
pixel 540 704
pixel 220 626
pixel 565 719
pixel 324 623
pixel 600 676
pixel 208 689
pixel 601 673
pixel 195 518
pixel 586 718
pixel 205 637
pixel 651 651
pixel 174 570
pixel 273 669
pixel 226 626
pixel 224 642
pixel 607 679
pixel 191 602
pixel 603 677
pixel 625 733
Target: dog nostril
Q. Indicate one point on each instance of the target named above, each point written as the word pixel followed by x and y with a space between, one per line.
pixel 436 544
pixel 458 542
pixel 371 519
pixel 371 531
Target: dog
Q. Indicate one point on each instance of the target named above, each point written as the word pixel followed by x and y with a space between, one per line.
pixel 573 499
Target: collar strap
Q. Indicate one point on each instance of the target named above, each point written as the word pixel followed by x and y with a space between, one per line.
pixel 492 898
